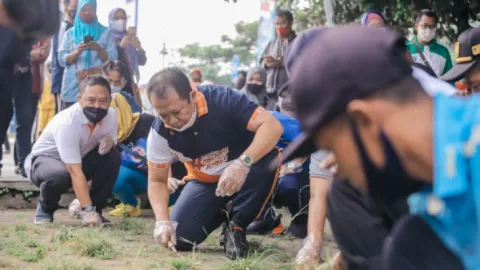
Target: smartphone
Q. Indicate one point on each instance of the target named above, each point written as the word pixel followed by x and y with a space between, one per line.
pixel 132 31
pixel 87 39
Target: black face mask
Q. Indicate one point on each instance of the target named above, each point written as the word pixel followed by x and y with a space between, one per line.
pixel 390 183
pixel 254 88
pixel 72 13
pixel 94 115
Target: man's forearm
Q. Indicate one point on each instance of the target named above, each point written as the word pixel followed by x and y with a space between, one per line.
pixel 80 187
pixel 158 196
pixel 317 212
pixel 265 140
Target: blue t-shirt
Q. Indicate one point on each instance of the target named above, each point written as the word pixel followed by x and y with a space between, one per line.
pixel 291 129
pixel 451 206
pixel 221 133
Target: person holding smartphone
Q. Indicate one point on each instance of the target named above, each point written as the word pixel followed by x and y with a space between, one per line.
pixel 85 48
pixel 130 49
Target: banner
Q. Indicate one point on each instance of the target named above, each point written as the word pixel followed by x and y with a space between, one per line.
pixel 266 28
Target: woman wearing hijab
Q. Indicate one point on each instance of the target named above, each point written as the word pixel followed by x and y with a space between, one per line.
pixel 85 47
pixel 373 18
pixel 129 48
pixel 256 90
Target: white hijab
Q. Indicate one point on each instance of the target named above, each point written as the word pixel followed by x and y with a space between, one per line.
pixel 432 85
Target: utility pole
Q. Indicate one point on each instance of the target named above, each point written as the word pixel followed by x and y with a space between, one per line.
pixel 163 52
pixel 136 13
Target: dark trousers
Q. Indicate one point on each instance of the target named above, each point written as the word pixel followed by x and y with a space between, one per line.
pixel 293 192
pixel 53 179
pixel 6 113
pixel 414 246
pixel 360 226
pixel 25 103
pixel 199 211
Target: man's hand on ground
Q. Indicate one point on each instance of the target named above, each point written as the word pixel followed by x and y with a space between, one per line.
pixel 310 253
pixel 232 179
pixel 106 144
pixel 164 234
pixel 173 184
pixel 90 217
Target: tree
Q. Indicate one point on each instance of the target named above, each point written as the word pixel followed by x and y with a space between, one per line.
pixel 212 59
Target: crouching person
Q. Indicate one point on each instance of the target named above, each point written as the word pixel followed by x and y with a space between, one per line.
pixel 77 145
pixel 226 143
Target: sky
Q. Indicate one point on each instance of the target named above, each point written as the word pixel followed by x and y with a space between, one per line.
pixel 180 22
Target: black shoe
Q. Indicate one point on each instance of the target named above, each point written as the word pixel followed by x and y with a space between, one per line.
pixel 236 245
pixel 264 226
pixel 42 216
pixel 298 230
pixel 105 222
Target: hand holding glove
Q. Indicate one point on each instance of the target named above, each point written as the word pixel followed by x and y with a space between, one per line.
pixel 106 144
pixel 232 179
pixel 164 234
pixel 311 251
pixel 90 217
pixel 173 184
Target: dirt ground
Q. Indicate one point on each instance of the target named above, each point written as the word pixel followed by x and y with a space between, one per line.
pixel 127 244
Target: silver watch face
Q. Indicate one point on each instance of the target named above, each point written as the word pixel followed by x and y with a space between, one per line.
pixel 247 160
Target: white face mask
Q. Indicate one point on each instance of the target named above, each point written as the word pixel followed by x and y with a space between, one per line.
pixel 426 34
pixel 190 122
pixel 119 25
pixel 115 90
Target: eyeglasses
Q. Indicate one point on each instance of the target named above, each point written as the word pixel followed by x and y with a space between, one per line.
pixel 429 26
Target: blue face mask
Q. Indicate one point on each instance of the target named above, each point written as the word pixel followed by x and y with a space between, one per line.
pixel 390 183
pixel 115 90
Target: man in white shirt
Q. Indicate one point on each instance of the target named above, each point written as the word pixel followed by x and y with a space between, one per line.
pixel 77 145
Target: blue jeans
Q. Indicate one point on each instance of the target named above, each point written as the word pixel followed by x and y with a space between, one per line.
pixel 132 182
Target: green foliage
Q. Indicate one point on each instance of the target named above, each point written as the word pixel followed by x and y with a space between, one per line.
pixel 212 58
pixel 454 15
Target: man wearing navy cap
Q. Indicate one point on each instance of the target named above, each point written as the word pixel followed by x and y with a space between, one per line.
pixel 467 52
pixel 393 140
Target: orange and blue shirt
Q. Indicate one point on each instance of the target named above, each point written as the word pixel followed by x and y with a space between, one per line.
pixel 222 132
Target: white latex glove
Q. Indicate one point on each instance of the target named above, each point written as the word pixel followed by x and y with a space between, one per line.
pixel 310 253
pixel 173 184
pixel 106 144
pixel 74 209
pixel 164 234
pixel 232 179
pixel 90 217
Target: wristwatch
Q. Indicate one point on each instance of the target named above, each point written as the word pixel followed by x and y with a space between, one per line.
pixel 247 161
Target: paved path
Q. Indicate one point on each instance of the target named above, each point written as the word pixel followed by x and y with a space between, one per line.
pixel 8 178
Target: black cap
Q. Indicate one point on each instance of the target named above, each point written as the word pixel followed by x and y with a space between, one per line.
pixel 342 64
pixel 294 50
pixel 467 54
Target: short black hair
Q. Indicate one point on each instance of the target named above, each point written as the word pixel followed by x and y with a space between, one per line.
pixel 93 80
pixel 426 12
pixel 121 68
pixel 242 72
pixel 285 13
pixel 404 91
pixel 170 78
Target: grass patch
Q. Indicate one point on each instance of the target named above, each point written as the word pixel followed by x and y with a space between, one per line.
pixel 134 226
pixel 181 264
pixel 98 248
pixel 64 264
pixel 262 257
pixel 65 234
pixel 28 252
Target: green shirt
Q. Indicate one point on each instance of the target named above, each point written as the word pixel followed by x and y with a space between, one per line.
pixel 436 54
